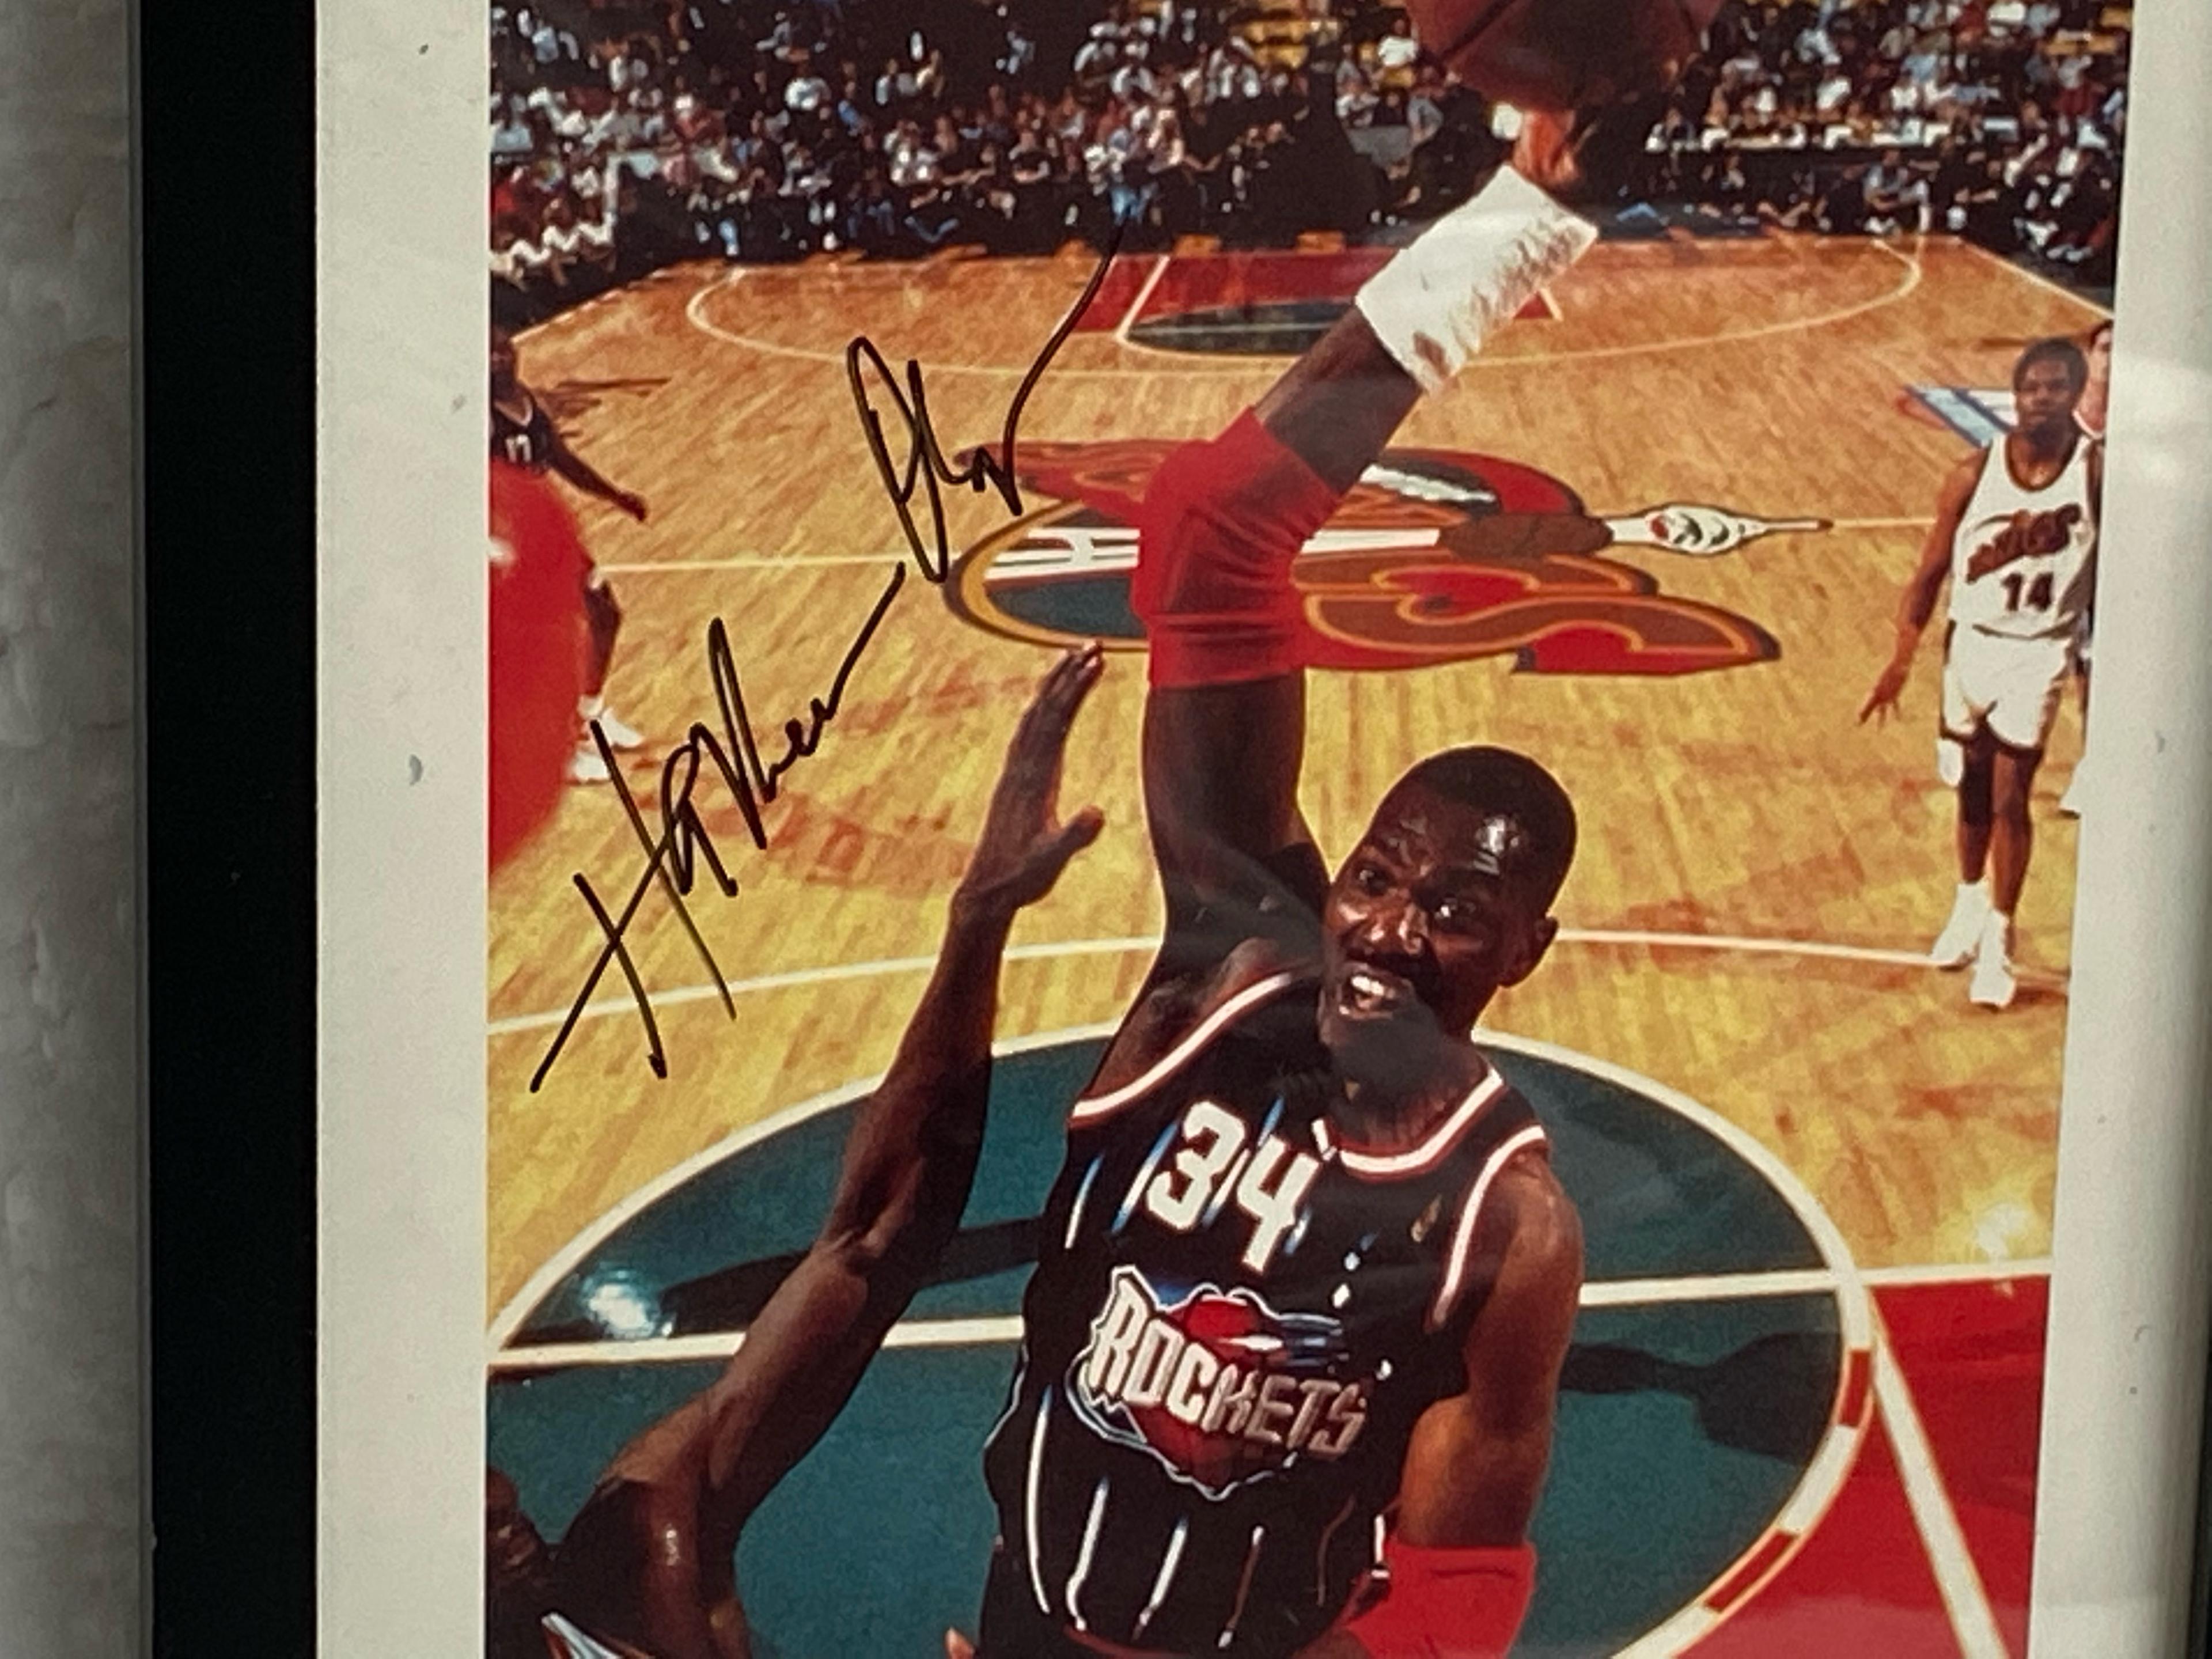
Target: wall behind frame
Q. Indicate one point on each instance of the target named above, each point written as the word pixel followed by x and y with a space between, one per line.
pixel 2122 1405
pixel 70 1572
pixel 401 598
pixel 402 319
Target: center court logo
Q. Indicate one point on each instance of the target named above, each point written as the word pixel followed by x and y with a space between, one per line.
pixel 1435 556
pixel 1218 1386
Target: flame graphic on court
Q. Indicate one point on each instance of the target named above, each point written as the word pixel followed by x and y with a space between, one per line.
pixel 1434 555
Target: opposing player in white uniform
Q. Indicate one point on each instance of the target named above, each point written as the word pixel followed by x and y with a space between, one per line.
pixel 2015 534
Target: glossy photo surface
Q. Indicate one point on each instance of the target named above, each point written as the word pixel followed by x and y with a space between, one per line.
pixel 1283 806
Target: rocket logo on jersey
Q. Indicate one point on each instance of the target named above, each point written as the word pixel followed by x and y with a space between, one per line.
pixel 1219 1387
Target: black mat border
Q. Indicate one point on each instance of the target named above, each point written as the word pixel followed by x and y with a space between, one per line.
pixel 225 166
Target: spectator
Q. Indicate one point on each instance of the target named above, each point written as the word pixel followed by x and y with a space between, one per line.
pixel 756 129
pixel 896 87
pixel 1884 188
pixel 807 93
pixel 1396 53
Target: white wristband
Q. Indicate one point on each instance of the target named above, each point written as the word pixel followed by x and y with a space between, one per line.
pixel 1469 274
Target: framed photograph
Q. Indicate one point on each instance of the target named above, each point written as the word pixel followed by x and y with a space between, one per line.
pixel 1265 830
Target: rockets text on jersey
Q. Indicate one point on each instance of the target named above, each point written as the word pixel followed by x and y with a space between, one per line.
pixel 2022 561
pixel 1216 1386
pixel 1236 1320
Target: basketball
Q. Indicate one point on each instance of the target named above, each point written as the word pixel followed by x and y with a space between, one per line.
pixel 538 568
pixel 1562 55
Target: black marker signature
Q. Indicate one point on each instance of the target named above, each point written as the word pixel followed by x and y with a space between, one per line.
pixel 732 752
pixel 926 470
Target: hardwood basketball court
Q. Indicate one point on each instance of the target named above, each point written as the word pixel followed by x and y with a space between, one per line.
pixel 1757 873
pixel 1759 878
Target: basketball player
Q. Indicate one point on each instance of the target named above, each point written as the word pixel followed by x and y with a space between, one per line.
pixel 2015 533
pixel 645 1570
pixel 523 434
pixel 1306 1279
pixel 2091 415
pixel 535 633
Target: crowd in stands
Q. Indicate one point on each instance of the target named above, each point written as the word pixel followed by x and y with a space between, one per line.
pixel 622 137
pixel 1998 120
pixel 627 134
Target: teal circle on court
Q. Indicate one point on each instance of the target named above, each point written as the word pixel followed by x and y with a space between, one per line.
pixel 1691 1410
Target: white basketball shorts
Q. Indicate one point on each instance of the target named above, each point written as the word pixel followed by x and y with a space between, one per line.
pixel 2008 685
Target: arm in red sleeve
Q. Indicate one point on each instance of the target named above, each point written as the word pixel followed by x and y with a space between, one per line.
pixel 1222 524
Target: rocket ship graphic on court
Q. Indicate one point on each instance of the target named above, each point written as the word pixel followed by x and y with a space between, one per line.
pixel 1698 531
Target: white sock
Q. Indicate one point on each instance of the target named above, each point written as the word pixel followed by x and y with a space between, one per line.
pixel 1998 926
pixel 1973 893
pixel 1468 274
pixel 591 706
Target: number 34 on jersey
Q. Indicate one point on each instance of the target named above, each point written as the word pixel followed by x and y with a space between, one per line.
pixel 1209 1162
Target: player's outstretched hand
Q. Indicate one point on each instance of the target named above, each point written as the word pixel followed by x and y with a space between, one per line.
pixel 1881 702
pixel 1024 847
pixel 957 1646
pixel 633 504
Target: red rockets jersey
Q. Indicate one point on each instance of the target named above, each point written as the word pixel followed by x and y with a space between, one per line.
pixel 1235 1323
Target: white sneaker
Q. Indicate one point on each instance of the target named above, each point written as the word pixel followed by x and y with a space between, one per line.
pixel 1993 985
pixel 1961 938
pixel 587 765
pixel 619 735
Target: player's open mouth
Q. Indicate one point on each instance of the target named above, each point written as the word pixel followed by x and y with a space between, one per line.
pixel 1365 992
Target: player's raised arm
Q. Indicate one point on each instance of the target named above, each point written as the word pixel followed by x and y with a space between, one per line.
pixel 699 1473
pixel 1224 522
pixel 1225 717
pixel 1461 1569
pixel 1917 605
pixel 912 1153
pixel 588 478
